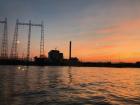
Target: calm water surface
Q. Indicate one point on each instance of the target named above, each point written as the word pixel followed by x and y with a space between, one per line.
pixel 20 85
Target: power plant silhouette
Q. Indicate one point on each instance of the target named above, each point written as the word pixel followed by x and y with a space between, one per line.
pixel 55 57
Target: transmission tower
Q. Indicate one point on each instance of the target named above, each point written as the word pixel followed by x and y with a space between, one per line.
pixel 29 37
pixel 14 52
pixel 29 41
pixel 42 38
pixel 4 45
pixel 42 41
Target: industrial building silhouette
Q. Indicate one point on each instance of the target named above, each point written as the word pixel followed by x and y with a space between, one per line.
pixel 55 57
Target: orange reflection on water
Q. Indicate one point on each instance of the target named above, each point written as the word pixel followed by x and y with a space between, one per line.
pixel 70 84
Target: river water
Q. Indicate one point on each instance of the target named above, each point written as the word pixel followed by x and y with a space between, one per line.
pixel 21 85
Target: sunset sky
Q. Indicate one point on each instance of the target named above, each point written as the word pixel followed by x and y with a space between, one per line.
pixel 100 30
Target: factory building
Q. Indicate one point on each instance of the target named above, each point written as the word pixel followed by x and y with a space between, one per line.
pixel 55 56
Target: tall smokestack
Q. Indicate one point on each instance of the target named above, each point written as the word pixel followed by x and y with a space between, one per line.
pixel 70 50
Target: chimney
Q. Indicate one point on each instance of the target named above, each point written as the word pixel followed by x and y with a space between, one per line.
pixel 70 50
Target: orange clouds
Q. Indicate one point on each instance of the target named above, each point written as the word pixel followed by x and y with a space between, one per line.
pixel 119 43
pixel 123 27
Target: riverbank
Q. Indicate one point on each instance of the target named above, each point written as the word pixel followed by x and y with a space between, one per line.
pixel 67 63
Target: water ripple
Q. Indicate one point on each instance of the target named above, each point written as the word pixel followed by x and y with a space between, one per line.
pixel 69 86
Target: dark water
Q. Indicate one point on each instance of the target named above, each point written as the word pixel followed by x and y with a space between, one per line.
pixel 21 85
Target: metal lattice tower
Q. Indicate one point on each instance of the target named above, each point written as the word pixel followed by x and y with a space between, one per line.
pixel 29 37
pixel 42 38
pixel 4 46
pixel 14 52
pixel 42 41
pixel 29 41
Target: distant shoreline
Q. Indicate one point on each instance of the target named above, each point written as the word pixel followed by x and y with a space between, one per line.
pixel 78 64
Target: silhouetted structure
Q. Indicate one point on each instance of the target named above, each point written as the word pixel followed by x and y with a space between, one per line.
pixel 74 61
pixel 14 52
pixel 55 57
pixel 41 60
pixel 70 50
pixel 42 41
pixel 4 44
